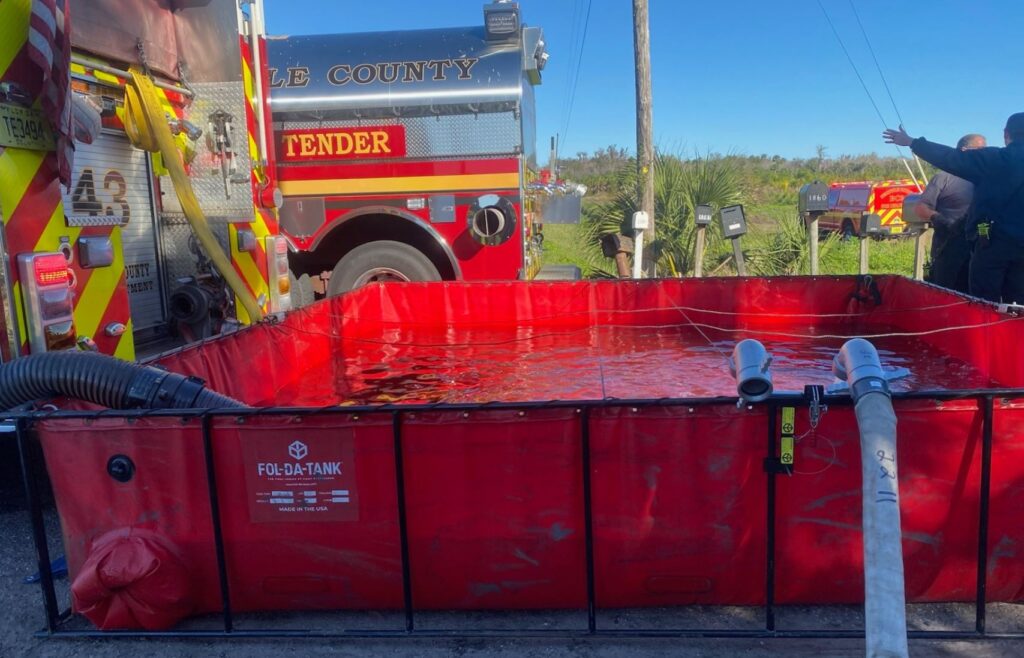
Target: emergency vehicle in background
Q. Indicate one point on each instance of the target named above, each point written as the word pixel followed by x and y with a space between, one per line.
pixel 403 156
pixel 410 155
pixel 847 202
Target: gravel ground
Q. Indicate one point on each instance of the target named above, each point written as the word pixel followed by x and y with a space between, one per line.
pixel 24 616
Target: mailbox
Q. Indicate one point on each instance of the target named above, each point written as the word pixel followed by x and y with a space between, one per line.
pixel 870 224
pixel 734 224
pixel 813 197
pixel 613 243
pixel 702 215
pixel 909 215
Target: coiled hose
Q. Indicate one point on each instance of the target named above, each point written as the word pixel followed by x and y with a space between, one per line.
pixel 105 381
pixel 147 129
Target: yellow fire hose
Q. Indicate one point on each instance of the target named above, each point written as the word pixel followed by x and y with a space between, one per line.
pixel 148 130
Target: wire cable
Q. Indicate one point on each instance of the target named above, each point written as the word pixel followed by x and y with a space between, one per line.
pixel 878 66
pixel 864 85
pixel 889 334
pixel 576 77
pixel 711 343
pixel 577 16
pixel 699 326
pixel 885 82
pixel 856 71
pixel 695 309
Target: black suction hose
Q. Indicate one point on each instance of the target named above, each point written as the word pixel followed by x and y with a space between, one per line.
pixel 103 380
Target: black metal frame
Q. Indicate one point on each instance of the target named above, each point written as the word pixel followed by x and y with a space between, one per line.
pixel 55 619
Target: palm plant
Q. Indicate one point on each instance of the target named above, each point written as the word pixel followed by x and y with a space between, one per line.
pixel 782 247
pixel 679 187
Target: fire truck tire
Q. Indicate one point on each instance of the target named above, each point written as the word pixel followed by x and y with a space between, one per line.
pixel 302 290
pixel 383 260
pixel 847 232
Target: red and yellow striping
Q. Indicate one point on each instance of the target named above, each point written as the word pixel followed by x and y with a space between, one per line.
pixel 33 213
pixel 87 78
pixel 252 266
pixel 887 202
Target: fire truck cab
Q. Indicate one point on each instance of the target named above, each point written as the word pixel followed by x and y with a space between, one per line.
pixel 847 202
pixel 409 155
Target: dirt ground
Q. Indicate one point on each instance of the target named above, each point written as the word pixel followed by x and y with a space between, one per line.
pixel 24 616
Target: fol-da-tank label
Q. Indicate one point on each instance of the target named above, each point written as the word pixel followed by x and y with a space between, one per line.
pixel 300 479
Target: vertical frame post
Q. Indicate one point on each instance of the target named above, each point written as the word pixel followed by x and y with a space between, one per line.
pixel 35 507
pixel 403 527
pixel 983 512
pixel 218 532
pixel 588 520
pixel 769 575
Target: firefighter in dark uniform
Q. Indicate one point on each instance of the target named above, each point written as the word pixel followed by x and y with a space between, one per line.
pixel 944 204
pixel 996 220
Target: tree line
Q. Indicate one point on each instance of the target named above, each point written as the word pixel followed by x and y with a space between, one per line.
pixel 762 179
pixel 767 186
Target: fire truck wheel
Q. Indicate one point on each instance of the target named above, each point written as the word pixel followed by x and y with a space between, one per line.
pixel 384 260
pixel 847 231
pixel 302 290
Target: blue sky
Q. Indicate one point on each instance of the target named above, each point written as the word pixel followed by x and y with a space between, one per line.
pixel 743 76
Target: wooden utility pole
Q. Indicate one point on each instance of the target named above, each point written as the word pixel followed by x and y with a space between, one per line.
pixel 644 123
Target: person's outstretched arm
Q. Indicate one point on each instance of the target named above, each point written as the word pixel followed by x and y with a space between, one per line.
pixel 973 165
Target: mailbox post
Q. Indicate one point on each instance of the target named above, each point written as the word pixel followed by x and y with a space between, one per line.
pixel 923 233
pixel 640 224
pixel 701 217
pixel 870 225
pixel 734 226
pixel 619 247
pixel 812 203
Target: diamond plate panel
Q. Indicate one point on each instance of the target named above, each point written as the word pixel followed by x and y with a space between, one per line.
pixel 103 220
pixel 441 136
pixel 207 180
pixel 176 234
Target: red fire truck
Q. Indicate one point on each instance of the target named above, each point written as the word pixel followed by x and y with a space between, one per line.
pixel 847 202
pixel 166 216
pixel 403 156
pixel 409 155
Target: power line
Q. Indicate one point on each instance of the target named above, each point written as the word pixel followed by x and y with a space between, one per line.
pixel 574 55
pixel 576 77
pixel 864 85
pixel 885 82
pixel 853 65
pixel 577 16
pixel 877 65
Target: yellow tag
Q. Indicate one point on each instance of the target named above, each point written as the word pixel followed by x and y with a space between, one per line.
pixel 788 420
pixel 786 451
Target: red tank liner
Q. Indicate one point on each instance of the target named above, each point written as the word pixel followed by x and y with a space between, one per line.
pixel 494 497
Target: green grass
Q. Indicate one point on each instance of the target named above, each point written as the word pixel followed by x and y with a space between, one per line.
pixel 569 244
pixel 890 256
pixel 771 248
pixel 776 242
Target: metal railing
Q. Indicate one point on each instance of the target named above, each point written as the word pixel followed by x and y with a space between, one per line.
pixel 57 621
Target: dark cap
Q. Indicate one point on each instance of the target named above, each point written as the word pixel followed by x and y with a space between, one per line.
pixel 1015 125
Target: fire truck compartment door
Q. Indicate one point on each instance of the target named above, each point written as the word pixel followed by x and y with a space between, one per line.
pixel 111 184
